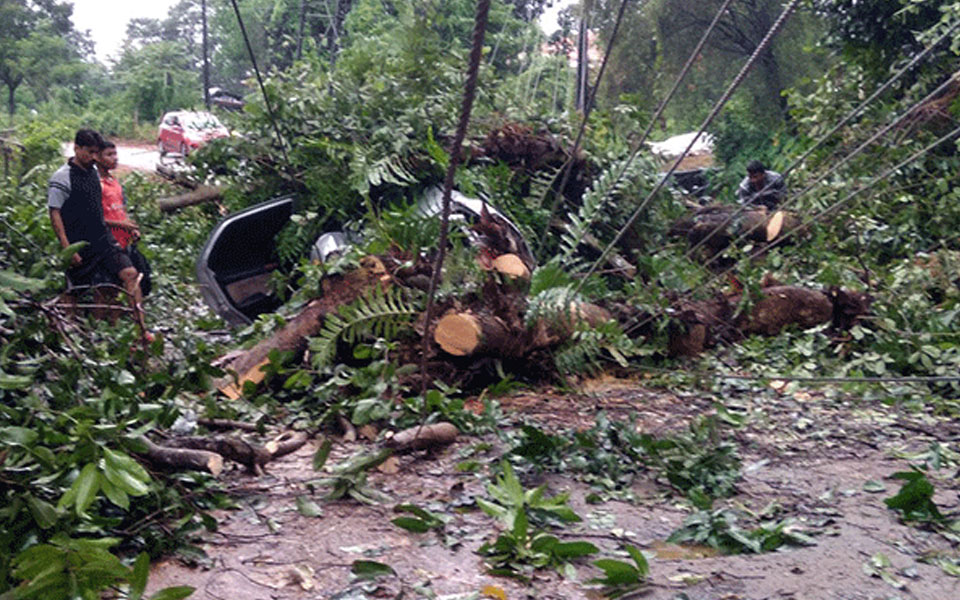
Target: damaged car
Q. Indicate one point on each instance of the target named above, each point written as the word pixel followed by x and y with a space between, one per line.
pixel 237 263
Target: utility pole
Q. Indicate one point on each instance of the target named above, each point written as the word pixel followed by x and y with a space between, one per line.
pixel 583 62
pixel 206 55
pixel 303 18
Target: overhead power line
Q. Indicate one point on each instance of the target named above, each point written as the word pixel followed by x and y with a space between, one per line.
pixel 768 38
pixel 469 93
pixel 844 121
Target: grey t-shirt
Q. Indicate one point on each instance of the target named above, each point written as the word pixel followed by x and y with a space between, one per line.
pixel 770 193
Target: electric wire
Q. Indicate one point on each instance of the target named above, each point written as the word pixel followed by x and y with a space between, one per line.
pixel 568 166
pixel 764 43
pixel 827 211
pixel 844 121
pixel 263 90
pixel 637 146
pixel 836 167
pixel 469 93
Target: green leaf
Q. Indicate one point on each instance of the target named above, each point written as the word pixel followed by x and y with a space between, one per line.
pixel 520 524
pixel 138 579
pixel 494 510
pixel 125 463
pixel 643 567
pixel 19 436
pixel 415 510
pixel 44 513
pixel 616 572
pixel 114 494
pixel 323 452
pixel 308 507
pixel 67 253
pixel 17 282
pixel 915 497
pixel 124 480
pixel 14 382
pixel 173 593
pixel 412 524
pixel 574 549
pixel 370 569
pixel 87 485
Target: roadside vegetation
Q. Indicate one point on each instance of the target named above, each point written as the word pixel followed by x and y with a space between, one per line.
pixel 366 114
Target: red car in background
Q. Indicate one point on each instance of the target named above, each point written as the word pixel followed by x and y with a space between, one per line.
pixel 183 131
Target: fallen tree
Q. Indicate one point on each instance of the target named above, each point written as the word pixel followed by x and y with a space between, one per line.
pixel 203 193
pixel 697 325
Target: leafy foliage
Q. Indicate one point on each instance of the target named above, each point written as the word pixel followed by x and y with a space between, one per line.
pixel 718 529
pixel 349 479
pixel 523 547
pixel 915 499
pixel 379 314
pixel 621 578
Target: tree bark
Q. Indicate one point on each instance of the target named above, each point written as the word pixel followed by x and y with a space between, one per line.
pixel 337 290
pixel 785 305
pixel 251 456
pixel 422 437
pixel 182 458
pixel 204 193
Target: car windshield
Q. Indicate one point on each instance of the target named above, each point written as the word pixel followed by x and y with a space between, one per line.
pixel 201 121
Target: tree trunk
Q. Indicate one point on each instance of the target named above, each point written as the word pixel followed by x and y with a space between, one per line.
pixel 178 459
pixel 785 305
pixel 204 193
pixel 468 334
pixel 337 290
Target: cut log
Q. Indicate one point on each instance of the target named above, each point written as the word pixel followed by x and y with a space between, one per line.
pixel 254 375
pixel 714 227
pixel 425 436
pixel 337 290
pixel 178 459
pixel 467 334
pixel 287 442
pixel 785 305
pixel 251 456
pixel 511 266
pixel 204 193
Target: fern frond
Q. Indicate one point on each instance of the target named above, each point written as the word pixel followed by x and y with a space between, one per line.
pixel 609 185
pixel 583 352
pixel 541 186
pixel 553 306
pixel 378 313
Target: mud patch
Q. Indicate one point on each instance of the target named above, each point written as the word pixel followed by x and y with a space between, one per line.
pixel 807 455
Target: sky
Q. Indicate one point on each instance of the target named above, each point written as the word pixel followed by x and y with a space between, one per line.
pixel 107 20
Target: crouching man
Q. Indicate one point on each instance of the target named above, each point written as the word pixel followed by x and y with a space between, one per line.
pixel 76 212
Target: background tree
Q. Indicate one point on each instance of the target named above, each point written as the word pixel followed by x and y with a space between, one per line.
pixel 36 39
pixel 156 78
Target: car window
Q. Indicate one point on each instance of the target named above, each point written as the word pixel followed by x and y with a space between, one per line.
pixel 202 121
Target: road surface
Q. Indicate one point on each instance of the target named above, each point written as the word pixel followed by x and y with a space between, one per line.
pixel 137 157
